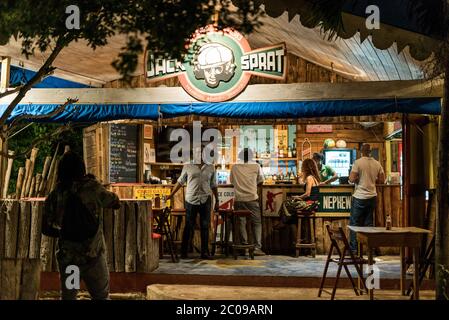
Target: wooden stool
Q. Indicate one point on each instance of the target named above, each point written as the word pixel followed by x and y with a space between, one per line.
pixel 224 231
pixel 177 216
pixel 236 214
pixel 311 241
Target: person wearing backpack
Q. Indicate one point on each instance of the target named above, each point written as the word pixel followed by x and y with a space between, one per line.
pixel 71 214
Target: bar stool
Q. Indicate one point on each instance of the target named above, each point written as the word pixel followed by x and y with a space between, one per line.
pixel 309 242
pixel 225 231
pixel 178 216
pixel 236 245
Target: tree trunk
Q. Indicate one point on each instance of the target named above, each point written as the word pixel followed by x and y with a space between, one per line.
pixel 442 220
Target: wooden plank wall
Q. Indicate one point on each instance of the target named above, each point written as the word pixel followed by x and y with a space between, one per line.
pixel 353 133
pixel 129 243
pixel 298 70
pixel 96 151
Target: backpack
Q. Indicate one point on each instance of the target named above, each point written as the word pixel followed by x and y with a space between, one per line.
pixel 78 222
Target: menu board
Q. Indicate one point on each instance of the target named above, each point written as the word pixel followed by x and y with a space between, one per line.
pixel 123 153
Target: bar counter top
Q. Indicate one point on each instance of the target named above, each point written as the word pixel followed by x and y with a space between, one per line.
pixel 277 185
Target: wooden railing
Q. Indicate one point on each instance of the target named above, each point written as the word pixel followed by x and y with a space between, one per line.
pixel 127 231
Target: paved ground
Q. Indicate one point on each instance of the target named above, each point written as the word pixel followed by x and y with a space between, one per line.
pixel 196 292
pixel 282 266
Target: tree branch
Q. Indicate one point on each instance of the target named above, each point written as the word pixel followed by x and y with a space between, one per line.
pixel 58 110
pixel 44 70
pixel 7 93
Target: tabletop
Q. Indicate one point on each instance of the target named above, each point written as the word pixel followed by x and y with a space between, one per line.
pixel 378 230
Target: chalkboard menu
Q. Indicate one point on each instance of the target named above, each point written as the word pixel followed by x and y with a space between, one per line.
pixel 123 153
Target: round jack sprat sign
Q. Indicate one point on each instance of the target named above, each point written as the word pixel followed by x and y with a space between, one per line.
pixel 219 65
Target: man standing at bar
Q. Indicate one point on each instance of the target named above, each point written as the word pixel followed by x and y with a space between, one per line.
pixel 365 174
pixel 246 178
pixel 327 174
pixel 200 182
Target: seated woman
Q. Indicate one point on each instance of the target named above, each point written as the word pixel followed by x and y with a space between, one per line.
pixel 304 202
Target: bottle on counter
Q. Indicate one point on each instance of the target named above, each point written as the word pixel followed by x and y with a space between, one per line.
pixel 289 152
pixel 280 152
pixel 294 150
pixel 388 222
pixel 157 201
pixel 223 162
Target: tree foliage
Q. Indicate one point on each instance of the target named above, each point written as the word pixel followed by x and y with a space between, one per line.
pixel 162 26
pixel 23 139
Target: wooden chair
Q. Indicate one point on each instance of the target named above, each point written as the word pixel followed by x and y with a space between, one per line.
pixel 346 257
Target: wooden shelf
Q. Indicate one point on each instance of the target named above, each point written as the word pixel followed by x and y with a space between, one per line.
pixel 275 159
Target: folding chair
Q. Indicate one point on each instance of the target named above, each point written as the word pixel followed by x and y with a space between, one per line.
pixel 426 261
pixel 345 258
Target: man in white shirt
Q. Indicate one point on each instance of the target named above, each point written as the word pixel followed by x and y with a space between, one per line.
pixel 246 177
pixel 365 174
pixel 200 182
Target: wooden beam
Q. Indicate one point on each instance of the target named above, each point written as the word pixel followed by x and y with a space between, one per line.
pixel 4 74
pixel 253 93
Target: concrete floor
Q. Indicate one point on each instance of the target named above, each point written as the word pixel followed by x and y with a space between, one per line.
pixel 281 266
pixel 197 292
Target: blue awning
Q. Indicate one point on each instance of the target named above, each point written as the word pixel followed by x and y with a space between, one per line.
pixel 243 110
pixel 19 76
pixel 304 109
pixel 86 112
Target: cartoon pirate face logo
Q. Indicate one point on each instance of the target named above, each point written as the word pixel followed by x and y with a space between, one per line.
pixel 214 63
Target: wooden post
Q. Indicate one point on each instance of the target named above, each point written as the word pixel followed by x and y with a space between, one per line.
pixel 119 239
pixel 24 229
pixel 35 232
pixel 19 279
pixel 45 173
pixel 3 210
pixel 54 176
pixel 442 218
pixel 11 228
pixel 25 177
pixel 19 183
pixel 108 230
pixel 46 253
pixel 37 185
pixel 8 174
pixel 31 170
pixel 52 172
pixel 130 249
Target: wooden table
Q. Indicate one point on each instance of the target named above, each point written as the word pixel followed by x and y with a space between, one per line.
pixel 411 237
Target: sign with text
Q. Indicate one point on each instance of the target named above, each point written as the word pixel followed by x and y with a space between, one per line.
pixel 319 128
pixel 226 198
pixel 335 200
pixel 219 65
pixel 149 193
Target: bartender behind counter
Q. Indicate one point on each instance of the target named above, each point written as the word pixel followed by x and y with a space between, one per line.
pixel 327 174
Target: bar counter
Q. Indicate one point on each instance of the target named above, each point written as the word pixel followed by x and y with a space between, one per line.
pixel 334 209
